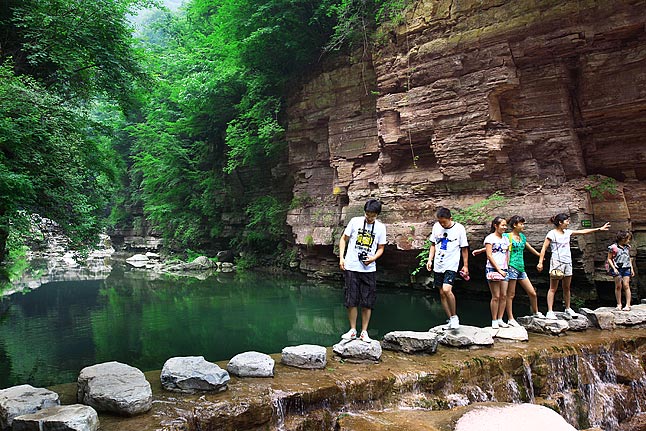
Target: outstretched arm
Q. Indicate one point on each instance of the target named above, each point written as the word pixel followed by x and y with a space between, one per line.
pixel 478 251
pixel 587 231
pixel 529 247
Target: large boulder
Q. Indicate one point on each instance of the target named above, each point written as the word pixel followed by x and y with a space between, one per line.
pixel 305 356
pixel 411 341
pixel 464 336
pixel 193 373
pixel 116 388
pixel 529 417
pixel 611 318
pixel 76 417
pixel 251 364
pixel 511 334
pixel 358 351
pixel 24 399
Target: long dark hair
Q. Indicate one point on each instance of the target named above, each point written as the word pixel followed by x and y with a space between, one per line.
pixel 622 235
pixel 514 220
pixel 559 218
pixel 495 223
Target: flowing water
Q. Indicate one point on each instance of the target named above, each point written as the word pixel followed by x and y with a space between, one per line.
pixel 49 334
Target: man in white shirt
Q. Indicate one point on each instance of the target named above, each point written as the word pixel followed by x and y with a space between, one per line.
pixel 448 241
pixel 365 238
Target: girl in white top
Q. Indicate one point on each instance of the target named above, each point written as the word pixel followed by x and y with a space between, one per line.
pixel 558 239
pixel 497 249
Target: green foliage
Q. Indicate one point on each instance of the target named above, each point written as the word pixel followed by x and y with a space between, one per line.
pixel 265 226
pixel 422 257
pixel 601 186
pixel 480 212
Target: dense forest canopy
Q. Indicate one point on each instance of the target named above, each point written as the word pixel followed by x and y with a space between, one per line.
pixel 96 120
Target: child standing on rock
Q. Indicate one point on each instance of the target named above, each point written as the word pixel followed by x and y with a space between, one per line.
pixel 620 266
pixel 558 239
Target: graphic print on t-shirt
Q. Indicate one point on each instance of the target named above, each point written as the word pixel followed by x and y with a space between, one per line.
pixel 365 239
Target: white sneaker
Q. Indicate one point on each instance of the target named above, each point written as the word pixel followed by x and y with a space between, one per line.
pixel 570 312
pixel 513 323
pixel 494 324
pixel 454 322
pixel 550 315
pixel 538 315
pixel 502 324
pixel 350 335
pixel 364 337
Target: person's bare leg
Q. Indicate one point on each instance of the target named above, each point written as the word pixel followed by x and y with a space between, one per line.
pixel 554 285
pixel 365 318
pixel 502 299
pixel 494 287
pixel 618 288
pixel 567 281
pixel 626 283
pixel 352 317
pixel 511 293
pixel 526 284
pixel 450 308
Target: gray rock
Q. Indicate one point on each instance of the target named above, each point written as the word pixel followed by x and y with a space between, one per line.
pixel 226 256
pixel 114 387
pixel 610 318
pixel 512 334
pixel 193 373
pixel 76 417
pixel 544 326
pixel 411 341
pixel 464 336
pixel 251 364
pixel 227 267
pixel 305 356
pixel 24 399
pixel 358 351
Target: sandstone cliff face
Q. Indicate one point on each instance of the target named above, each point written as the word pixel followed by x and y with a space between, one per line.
pixel 469 97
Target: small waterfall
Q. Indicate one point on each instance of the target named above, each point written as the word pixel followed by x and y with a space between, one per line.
pixel 529 384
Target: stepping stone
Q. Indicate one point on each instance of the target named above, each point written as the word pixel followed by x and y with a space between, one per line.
pixel 24 399
pixel 251 364
pixel 358 351
pixel 306 356
pixel 464 336
pixel 76 417
pixel 116 388
pixel 190 374
pixel 411 341
pixel 542 325
pixel 512 334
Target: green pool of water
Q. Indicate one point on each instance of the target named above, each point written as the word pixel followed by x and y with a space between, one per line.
pixel 49 334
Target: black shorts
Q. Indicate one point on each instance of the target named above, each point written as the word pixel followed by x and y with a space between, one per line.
pixel 360 289
pixel 446 277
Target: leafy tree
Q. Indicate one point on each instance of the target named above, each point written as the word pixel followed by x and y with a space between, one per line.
pixel 56 58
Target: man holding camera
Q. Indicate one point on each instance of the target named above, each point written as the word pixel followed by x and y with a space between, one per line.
pixel 365 238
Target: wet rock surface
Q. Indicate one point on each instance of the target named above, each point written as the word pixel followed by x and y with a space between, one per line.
pixel 114 387
pixel 305 356
pixel 24 399
pixel 464 336
pixel 193 373
pixel 358 351
pixel 546 370
pixel 411 341
pixel 76 417
pixel 251 364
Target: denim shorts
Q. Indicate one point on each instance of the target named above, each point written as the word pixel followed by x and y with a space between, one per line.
pixel 441 278
pixel 514 274
pixel 623 272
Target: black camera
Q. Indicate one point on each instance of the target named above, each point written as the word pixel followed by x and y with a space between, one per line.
pixel 363 255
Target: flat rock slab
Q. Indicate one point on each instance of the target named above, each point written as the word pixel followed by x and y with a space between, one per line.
pixel 358 351
pixel 464 336
pixel 76 417
pixel 24 399
pixel 541 325
pixel 610 318
pixel 305 356
pixel 411 341
pixel 190 374
pixel 116 388
pixel 511 334
pixel 251 364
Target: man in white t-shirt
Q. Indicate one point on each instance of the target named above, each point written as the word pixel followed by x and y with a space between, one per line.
pixel 365 238
pixel 448 242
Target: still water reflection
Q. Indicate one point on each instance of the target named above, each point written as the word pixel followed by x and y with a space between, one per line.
pixel 48 335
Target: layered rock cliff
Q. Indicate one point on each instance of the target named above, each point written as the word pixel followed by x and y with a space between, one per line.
pixel 543 101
